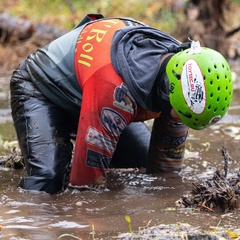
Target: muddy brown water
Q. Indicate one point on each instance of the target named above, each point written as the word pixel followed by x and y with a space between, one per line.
pixel 149 200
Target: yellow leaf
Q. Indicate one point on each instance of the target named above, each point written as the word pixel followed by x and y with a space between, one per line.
pixel 232 234
pixel 128 219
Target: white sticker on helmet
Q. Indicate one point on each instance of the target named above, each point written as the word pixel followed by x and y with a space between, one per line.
pixel 195 48
pixel 193 87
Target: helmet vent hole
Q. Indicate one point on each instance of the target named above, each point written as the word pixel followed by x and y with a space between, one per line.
pixel 218 88
pixel 211 82
pixel 226 87
pixel 209 70
pixel 217 77
pixel 226 99
pixel 209 107
pixel 215 66
pixel 215 109
pixel 223 65
pixel 218 99
pixel 211 95
pixel 223 109
pixel 196 119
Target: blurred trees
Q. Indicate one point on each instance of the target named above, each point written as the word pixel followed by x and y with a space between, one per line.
pixel 66 13
pixel 214 22
pixel 207 21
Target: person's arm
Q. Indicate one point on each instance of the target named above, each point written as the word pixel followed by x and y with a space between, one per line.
pixel 107 108
pixel 167 145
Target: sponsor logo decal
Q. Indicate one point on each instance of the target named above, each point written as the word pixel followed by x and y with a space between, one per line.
pixel 193 87
pixel 174 141
pixel 97 160
pixel 96 138
pixel 123 99
pixel 112 121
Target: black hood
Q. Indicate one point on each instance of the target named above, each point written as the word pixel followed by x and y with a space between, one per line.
pixel 136 53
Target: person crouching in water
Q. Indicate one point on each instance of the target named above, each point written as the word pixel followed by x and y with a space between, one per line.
pixel 98 84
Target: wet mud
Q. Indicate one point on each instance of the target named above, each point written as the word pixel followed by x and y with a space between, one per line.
pixel 220 193
pixel 148 200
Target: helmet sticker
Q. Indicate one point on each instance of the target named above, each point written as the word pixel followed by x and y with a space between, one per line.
pixel 214 120
pixel 193 87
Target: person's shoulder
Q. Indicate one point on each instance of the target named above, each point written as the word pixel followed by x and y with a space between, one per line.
pixel 132 22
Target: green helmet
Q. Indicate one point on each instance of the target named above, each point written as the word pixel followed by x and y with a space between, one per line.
pixel 201 87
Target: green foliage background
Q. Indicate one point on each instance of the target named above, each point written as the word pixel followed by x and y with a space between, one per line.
pixel 67 13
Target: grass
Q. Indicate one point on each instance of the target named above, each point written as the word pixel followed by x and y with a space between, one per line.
pixel 65 14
